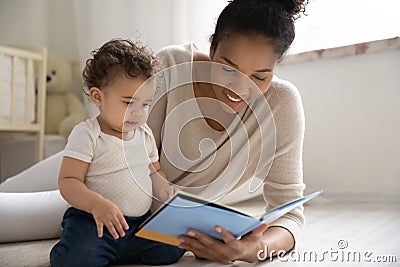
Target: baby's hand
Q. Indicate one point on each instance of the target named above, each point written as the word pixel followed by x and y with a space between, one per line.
pixel 170 192
pixel 162 190
pixel 106 213
pixel 173 190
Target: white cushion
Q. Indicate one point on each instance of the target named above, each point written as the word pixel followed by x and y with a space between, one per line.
pixel 42 176
pixel 31 216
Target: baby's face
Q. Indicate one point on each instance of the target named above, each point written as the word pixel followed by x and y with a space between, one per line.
pixel 126 103
pixel 137 110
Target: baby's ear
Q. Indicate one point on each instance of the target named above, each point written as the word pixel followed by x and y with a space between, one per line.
pixel 96 95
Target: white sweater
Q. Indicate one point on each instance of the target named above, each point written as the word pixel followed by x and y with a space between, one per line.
pixel 267 144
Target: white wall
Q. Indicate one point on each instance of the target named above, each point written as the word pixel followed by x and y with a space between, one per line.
pixel 73 28
pixel 158 23
pixel 352 109
pixel 23 22
pixel 62 37
pixel 48 23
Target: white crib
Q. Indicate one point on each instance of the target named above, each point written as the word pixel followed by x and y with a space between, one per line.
pixel 23 92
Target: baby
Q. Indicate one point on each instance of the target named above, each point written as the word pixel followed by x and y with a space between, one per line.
pixel 110 167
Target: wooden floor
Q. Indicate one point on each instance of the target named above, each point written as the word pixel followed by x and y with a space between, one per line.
pixel 349 234
pixel 336 234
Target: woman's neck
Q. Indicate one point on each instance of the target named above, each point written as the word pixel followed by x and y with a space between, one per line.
pixel 215 116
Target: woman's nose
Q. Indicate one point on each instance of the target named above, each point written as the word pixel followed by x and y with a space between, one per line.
pixel 241 85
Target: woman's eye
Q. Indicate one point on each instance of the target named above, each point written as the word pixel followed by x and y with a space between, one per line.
pixel 146 105
pixel 260 79
pixel 228 69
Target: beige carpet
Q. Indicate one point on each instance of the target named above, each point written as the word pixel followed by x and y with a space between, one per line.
pixel 35 253
pixel 346 228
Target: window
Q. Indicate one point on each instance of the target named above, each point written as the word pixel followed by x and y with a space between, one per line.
pixel 333 23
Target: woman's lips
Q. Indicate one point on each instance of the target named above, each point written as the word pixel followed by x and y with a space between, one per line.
pixel 233 98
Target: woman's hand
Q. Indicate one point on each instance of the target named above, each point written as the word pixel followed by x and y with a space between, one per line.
pixel 106 213
pixel 231 249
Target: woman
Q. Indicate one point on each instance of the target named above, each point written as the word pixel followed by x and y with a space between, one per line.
pixel 249 39
pixel 222 118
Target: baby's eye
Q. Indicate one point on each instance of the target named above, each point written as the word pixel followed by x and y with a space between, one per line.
pixel 228 69
pixel 128 103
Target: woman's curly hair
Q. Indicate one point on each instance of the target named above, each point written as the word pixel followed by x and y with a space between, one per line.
pixel 272 19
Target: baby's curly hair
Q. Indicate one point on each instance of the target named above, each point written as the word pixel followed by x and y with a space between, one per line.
pixel 116 57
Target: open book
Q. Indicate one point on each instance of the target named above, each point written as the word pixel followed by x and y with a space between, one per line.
pixel 185 211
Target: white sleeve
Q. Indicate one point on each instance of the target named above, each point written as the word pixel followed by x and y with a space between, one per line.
pixel 80 143
pixel 285 178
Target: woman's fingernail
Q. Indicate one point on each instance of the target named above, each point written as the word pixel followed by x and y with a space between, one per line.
pixel 191 233
pixel 181 240
pixel 218 229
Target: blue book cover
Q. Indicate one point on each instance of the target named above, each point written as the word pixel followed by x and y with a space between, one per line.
pixel 185 211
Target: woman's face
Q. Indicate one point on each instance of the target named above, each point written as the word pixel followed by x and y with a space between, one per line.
pixel 245 71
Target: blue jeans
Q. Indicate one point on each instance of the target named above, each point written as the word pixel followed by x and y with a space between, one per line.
pixel 79 244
